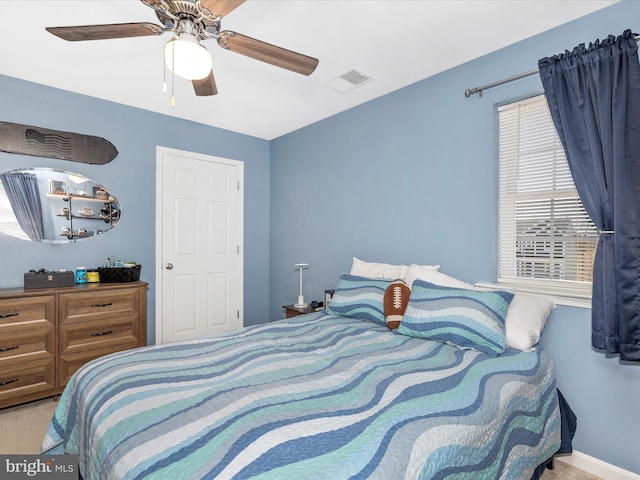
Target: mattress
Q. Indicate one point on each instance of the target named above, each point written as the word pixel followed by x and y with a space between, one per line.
pixel 311 397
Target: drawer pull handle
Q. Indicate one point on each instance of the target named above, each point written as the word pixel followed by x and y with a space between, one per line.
pixel 7 382
pixel 102 304
pixel 101 333
pixel 10 315
pixel 6 349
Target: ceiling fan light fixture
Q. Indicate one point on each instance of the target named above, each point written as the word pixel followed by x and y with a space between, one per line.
pixel 185 57
pixel 190 22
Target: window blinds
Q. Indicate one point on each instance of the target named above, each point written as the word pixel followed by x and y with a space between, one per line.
pixel 545 235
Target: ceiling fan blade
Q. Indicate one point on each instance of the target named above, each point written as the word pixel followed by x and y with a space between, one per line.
pixel 103 32
pixel 220 8
pixel 265 52
pixel 205 86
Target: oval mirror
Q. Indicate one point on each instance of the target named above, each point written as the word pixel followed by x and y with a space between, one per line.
pixel 48 205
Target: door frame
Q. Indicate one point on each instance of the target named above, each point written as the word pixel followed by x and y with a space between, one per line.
pixel 160 152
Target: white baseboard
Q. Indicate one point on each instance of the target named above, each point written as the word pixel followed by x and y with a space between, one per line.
pixel 597 467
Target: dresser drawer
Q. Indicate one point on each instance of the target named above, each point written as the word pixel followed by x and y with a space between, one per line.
pixel 90 306
pixel 71 362
pixel 27 309
pixel 19 344
pixel 96 334
pixel 27 380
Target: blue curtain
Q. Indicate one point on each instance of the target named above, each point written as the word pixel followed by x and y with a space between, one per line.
pixel 594 98
pixel 24 197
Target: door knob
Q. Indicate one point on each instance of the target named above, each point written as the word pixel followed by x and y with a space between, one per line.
pixel 169 266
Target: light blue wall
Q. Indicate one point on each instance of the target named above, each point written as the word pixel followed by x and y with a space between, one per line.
pixel 410 178
pixel 131 177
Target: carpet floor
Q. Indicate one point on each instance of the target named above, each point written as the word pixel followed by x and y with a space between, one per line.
pixel 24 426
pixel 562 471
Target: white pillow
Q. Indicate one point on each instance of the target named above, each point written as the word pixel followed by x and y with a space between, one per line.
pixel 526 319
pixel 527 313
pixel 431 275
pixel 361 268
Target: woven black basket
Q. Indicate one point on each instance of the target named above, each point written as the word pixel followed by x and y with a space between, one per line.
pixel 119 275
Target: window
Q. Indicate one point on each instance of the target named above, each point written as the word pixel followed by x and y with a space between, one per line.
pixel 546 239
pixel 8 221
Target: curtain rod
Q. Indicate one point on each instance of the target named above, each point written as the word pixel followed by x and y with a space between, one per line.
pixel 472 91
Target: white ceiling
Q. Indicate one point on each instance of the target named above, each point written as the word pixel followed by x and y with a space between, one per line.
pixel 397 42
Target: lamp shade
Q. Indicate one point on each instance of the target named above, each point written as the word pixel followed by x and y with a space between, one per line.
pixel 185 57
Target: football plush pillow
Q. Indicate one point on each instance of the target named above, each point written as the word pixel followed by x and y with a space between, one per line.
pixel 396 298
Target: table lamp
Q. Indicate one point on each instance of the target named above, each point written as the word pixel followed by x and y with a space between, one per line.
pixel 301 302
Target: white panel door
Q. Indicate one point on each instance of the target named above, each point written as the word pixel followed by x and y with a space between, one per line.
pixel 200 261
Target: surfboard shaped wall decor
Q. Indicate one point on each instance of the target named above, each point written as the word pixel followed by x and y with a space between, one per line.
pixel 43 142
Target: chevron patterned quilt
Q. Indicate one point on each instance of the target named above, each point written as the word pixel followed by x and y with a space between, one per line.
pixel 312 397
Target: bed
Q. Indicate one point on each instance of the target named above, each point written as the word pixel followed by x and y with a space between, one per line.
pixel 333 394
pixel 316 396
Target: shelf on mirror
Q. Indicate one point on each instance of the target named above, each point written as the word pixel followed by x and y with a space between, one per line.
pixel 67 196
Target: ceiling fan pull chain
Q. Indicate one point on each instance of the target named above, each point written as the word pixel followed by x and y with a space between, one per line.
pixel 173 98
pixel 173 75
pixel 164 78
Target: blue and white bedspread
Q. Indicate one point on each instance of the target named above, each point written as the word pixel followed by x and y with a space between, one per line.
pixel 312 397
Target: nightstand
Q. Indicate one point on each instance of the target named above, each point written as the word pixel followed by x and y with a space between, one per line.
pixel 293 311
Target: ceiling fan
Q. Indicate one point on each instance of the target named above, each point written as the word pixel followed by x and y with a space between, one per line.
pixel 192 21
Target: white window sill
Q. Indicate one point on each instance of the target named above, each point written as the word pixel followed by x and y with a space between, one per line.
pixel 560 297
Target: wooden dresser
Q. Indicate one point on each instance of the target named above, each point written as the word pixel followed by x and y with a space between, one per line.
pixel 47 334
